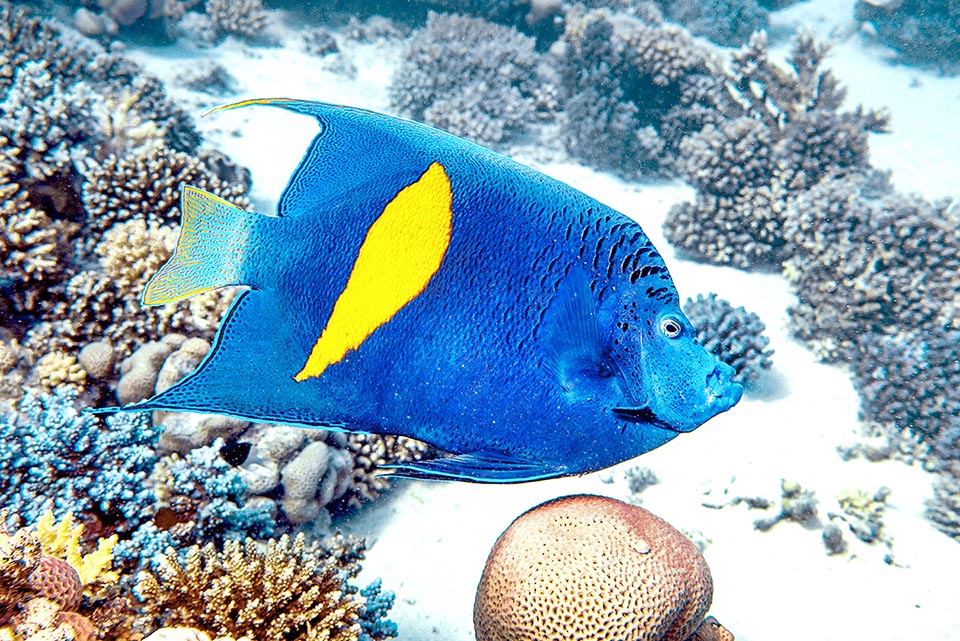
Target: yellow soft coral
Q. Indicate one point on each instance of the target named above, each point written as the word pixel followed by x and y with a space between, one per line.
pixel 62 539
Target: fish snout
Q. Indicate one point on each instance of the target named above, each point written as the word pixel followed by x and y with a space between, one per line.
pixel 720 387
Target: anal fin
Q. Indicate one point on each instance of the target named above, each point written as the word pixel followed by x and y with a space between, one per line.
pixel 476 467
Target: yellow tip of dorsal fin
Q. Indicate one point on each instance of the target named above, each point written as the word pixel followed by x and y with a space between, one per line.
pixel 214 235
pixel 247 103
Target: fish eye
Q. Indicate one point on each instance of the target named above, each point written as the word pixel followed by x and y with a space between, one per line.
pixel 671 327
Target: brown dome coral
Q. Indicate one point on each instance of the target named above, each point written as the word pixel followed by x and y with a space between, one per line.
pixel 589 567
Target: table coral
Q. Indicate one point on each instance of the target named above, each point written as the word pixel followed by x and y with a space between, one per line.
pixel 284 591
pixel 590 567
pixel 471 77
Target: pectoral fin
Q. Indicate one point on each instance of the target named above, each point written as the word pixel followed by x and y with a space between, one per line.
pixel 569 332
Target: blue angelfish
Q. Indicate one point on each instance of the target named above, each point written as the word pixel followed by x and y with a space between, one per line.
pixel 416 283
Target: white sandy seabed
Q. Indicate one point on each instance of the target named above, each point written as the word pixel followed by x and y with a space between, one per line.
pixel 429 541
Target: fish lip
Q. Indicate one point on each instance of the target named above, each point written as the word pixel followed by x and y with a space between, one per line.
pixel 720 386
pixel 642 415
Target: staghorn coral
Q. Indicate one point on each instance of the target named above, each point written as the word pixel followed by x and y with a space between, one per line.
pixel 733 335
pixel 785 133
pixel 285 590
pixel 471 77
pixel 594 568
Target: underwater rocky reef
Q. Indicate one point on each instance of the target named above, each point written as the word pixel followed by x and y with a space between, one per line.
pixel 150 510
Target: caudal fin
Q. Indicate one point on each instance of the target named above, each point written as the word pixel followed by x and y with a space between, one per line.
pixel 209 254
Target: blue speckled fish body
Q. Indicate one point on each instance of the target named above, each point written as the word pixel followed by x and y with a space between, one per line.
pixel 415 283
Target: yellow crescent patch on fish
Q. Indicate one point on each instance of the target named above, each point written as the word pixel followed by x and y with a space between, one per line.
pixel 402 251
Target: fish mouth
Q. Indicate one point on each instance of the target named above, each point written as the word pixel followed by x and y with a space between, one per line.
pixel 642 415
pixel 720 387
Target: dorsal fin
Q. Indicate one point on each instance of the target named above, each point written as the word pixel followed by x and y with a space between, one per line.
pixel 354 147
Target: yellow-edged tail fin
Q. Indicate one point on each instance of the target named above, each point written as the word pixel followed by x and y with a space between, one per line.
pixel 214 236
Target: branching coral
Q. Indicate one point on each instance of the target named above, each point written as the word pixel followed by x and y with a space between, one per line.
pixel 944 507
pixel 924 30
pixel 734 335
pixel 785 133
pixel 370 453
pixel 471 77
pixel 242 17
pixel 867 259
pixel 911 382
pixel 199 496
pixel 73 118
pixel 630 86
pixel 726 22
pixel 282 591
pixel 132 204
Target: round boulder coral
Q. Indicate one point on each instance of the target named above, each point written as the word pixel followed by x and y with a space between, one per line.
pixel 58 581
pixel 589 567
